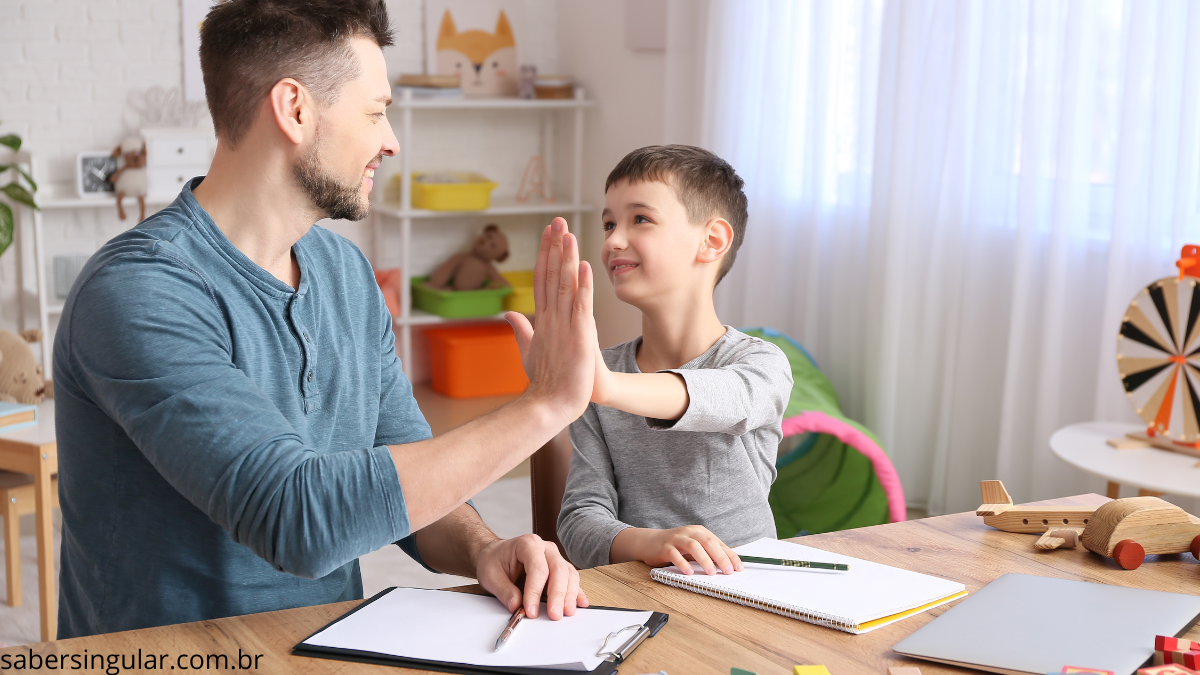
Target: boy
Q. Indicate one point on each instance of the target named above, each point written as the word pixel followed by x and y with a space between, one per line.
pixel 676 453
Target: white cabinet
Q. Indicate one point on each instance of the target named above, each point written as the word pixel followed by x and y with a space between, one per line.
pixel 175 156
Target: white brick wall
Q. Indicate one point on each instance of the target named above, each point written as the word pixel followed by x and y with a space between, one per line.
pixel 67 68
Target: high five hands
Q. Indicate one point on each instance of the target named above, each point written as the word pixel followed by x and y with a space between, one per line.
pixel 559 352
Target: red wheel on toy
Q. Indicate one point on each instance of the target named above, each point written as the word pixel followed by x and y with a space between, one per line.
pixel 1196 547
pixel 1129 554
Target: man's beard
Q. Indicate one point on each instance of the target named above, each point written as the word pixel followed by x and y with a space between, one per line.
pixel 332 198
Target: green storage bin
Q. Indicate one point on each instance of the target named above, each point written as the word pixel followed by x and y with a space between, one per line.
pixel 458 304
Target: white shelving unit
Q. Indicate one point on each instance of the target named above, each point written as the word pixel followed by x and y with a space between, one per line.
pixel 405 214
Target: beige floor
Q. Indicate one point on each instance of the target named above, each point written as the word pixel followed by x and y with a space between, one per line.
pixel 504 506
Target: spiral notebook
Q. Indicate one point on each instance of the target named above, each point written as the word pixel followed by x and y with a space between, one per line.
pixel 866 597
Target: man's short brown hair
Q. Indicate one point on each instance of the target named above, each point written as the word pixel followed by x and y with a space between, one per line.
pixel 247 46
pixel 705 184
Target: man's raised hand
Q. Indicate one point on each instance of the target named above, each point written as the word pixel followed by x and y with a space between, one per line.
pixel 559 351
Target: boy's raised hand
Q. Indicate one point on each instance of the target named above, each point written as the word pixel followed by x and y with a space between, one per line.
pixel 559 352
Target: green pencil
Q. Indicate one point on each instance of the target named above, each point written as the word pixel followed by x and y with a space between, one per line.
pixel 795 563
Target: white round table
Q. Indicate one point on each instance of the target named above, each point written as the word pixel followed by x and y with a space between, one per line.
pixel 1151 470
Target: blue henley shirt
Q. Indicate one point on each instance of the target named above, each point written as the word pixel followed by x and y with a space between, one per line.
pixel 222 437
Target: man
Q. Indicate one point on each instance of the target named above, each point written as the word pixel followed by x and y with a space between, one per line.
pixel 234 426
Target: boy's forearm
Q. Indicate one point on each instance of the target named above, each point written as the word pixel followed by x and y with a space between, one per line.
pixel 628 545
pixel 662 396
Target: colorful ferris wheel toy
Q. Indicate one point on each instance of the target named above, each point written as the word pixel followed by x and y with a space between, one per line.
pixel 1158 356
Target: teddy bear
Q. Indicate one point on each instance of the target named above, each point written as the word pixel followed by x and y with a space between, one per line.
pixel 20 375
pixel 471 271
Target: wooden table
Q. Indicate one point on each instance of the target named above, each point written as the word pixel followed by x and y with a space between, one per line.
pixel 705 635
pixel 34 450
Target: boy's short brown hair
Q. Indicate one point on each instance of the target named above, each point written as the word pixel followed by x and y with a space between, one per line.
pixel 246 46
pixel 705 184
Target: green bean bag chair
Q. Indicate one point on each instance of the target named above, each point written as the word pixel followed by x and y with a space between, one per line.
pixel 833 475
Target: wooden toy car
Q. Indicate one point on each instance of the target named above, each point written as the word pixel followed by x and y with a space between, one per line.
pixel 1126 530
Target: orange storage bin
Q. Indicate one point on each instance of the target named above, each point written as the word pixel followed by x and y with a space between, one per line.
pixel 473 361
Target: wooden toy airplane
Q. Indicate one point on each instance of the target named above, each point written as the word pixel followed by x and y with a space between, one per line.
pixel 1126 530
pixel 998 511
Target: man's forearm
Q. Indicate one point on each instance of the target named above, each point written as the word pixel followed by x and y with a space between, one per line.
pixel 451 545
pixel 441 473
pixel 662 396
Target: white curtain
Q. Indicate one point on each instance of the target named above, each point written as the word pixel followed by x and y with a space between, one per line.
pixel 951 205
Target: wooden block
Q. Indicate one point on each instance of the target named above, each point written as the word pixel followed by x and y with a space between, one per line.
pixel 1167 669
pixel 1166 643
pixel 1188 659
pixel 810 670
pixel 1127 443
pixel 904 670
pixel 1077 669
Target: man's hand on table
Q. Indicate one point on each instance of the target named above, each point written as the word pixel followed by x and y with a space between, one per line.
pixel 501 563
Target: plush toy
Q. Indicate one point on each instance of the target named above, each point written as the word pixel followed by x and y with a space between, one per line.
pixel 472 271
pixel 20 375
pixel 131 179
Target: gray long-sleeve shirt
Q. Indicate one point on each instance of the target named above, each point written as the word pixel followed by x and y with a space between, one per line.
pixel 713 466
pixel 223 437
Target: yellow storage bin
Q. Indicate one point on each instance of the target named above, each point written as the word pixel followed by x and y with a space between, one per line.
pixel 521 299
pixel 461 191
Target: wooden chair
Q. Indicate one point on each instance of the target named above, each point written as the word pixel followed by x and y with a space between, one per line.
pixel 16 499
pixel 547 482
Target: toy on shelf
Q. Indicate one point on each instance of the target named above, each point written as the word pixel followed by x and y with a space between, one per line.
pixel 485 63
pixel 474 270
pixel 535 181
pixel 1157 342
pixel 132 179
pixel 1125 530
pixel 389 281
pixel 525 82
pixel 999 512
pixel 1128 529
pixel 20 375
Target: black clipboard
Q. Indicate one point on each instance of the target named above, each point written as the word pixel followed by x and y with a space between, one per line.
pixel 654 624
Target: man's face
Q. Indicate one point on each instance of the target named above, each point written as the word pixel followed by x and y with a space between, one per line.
pixel 338 168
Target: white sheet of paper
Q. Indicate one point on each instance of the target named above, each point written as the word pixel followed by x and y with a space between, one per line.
pixel 432 625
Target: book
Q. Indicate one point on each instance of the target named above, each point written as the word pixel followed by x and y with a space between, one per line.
pixel 17 415
pixel 456 632
pixel 1021 623
pixel 867 596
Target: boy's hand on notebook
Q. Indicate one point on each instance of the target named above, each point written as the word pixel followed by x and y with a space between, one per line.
pixel 558 351
pixel 675 547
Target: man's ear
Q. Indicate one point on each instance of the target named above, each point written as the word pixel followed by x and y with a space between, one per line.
pixel 718 237
pixel 292 110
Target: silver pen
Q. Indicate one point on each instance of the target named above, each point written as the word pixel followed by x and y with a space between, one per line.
pixel 508 630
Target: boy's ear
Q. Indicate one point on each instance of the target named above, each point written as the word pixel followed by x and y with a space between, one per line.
pixel 718 237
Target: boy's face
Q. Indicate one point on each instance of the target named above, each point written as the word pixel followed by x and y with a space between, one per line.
pixel 650 246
